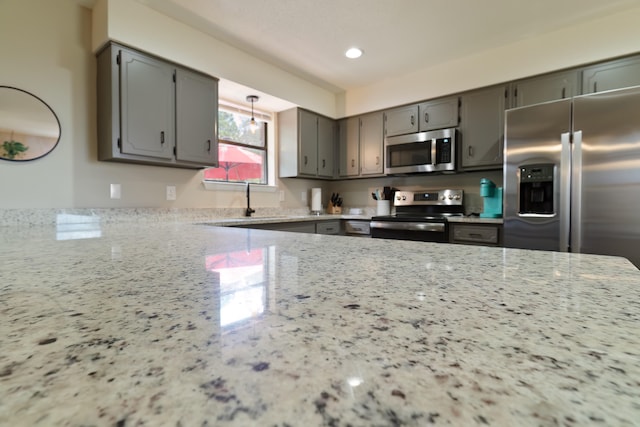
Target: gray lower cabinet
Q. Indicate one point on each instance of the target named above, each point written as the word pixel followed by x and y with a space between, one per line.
pixel 549 87
pixel 482 127
pixel 155 112
pixel 611 75
pixel 311 227
pixel 476 234
pixel 329 227
pixel 361 146
pixel 306 144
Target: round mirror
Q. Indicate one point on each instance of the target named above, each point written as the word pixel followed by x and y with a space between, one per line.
pixel 29 129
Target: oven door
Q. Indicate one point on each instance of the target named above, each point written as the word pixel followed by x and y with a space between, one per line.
pixel 422 231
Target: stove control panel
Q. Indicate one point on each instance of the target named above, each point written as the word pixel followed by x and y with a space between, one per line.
pixel 428 197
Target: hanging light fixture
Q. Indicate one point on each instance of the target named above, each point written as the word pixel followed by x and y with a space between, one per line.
pixel 253 125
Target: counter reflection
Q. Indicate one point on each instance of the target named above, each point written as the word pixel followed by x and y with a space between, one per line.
pixel 243 284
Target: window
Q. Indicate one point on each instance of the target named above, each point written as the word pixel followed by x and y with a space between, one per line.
pixel 242 153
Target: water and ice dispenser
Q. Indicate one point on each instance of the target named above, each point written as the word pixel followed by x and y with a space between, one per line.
pixel 536 189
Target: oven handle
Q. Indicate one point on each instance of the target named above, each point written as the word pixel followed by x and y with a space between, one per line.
pixel 438 227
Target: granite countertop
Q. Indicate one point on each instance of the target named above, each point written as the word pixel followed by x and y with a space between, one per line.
pixel 191 325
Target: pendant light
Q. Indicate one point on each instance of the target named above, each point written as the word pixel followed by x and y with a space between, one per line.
pixel 253 125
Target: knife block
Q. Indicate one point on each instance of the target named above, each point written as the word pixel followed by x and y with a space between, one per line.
pixel 331 209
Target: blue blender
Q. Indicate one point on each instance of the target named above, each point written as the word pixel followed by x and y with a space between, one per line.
pixel 492 196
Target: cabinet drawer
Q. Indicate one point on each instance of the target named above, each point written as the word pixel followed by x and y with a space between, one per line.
pixel 328 227
pixel 488 235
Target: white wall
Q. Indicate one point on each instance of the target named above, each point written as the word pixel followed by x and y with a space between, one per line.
pixel 51 56
pixel 591 41
pixel 139 26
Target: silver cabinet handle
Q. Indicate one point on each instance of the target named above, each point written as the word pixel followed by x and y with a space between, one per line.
pixel 377 160
pixel 324 163
pixel 353 163
pixel 306 160
pixel 413 120
pixel 470 151
pixel 162 137
pixel 426 117
pixel 209 145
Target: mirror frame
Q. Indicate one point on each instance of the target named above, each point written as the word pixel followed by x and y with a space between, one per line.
pixel 55 117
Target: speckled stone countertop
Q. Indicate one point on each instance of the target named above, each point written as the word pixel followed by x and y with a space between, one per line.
pixel 191 325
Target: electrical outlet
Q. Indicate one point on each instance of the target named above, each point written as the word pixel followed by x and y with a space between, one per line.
pixel 282 195
pixel 303 196
pixel 171 192
pixel 116 191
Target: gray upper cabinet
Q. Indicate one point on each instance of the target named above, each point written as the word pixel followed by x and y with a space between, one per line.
pixel 196 118
pixel 549 87
pixel 154 112
pixel 482 127
pixel 306 144
pixel 349 147
pixel 326 147
pixel 147 106
pixel 361 143
pixel 439 114
pixel 430 115
pixel 371 144
pixel 401 120
pixel 611 75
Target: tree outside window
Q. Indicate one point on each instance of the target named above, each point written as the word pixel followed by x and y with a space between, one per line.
pixel 242 154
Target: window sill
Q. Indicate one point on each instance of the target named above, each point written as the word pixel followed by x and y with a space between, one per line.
pixel 238 186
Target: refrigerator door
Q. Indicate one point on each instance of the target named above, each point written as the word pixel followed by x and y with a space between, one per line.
pixel 606 182
pixel 536 176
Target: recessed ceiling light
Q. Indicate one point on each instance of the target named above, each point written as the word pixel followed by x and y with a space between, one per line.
pixel 353 53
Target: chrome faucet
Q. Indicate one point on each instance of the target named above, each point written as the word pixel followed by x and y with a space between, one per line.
pixel 249 211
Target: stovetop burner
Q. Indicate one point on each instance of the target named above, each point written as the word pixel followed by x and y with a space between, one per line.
pixel 403 217
pixel 425 206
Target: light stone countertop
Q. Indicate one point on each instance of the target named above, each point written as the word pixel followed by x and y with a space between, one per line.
pixel 189 325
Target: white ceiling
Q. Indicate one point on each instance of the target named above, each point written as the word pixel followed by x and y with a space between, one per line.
pixel 309 38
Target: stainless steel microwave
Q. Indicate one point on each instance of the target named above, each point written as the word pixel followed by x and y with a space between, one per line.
pixel 433 151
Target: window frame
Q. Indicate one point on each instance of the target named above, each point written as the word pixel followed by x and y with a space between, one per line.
pixel 264 119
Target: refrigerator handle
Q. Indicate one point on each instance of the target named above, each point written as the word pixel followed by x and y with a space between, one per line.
pixel 576 192
pixel 565 192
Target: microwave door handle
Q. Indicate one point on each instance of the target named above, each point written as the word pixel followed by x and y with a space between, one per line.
pixel 433 152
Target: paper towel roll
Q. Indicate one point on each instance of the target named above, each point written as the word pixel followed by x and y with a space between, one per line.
pixel 316 199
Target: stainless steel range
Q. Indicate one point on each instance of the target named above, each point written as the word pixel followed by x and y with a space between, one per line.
pixel 419 215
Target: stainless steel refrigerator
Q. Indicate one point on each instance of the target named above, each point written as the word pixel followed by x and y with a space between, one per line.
pixel 572 175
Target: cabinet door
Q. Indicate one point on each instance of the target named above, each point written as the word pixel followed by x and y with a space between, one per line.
pixel 546 88
pixel 147 98
pixel 482 127
pixel 349 144
pixel 197 118
pixel 328 227
pixel 326 142
pixel 308 143
pixel 400 121
pixel 611 75
pixel 438 114
pixel 371 144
